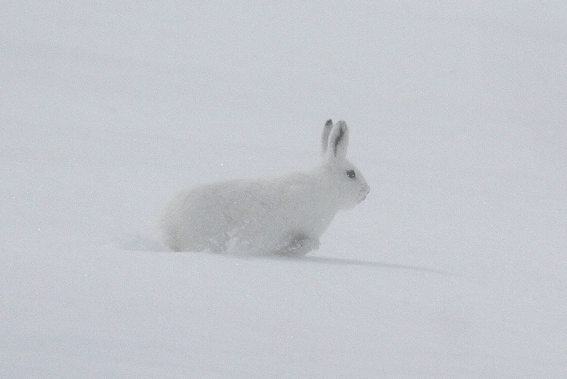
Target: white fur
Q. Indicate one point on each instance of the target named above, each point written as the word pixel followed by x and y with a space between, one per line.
pixel 284 215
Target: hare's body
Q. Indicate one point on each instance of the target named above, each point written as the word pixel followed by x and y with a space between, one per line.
pixel 252 217
pixel 284 215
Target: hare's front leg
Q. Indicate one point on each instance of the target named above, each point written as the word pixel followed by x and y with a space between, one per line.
pixel 299 245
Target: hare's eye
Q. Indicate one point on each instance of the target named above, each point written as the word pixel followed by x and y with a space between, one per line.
pixel 351 174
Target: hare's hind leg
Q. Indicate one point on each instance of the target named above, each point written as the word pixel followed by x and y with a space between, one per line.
pixel 299 245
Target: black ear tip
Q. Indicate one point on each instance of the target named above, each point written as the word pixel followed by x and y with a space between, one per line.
pixel 329 122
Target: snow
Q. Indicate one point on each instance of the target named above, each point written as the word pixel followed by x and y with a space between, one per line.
pixel 453 267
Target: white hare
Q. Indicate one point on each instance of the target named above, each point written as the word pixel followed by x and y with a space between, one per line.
pixel 283 215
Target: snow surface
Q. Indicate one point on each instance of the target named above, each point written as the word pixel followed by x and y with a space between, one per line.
pixel 454 266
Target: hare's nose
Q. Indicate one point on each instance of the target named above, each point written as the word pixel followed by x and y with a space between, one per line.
pixel 365 192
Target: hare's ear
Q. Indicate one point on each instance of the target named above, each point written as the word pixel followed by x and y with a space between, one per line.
pixel 338 142
pixel 325 137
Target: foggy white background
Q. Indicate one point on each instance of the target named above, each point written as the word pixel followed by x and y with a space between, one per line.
pixel 457 117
